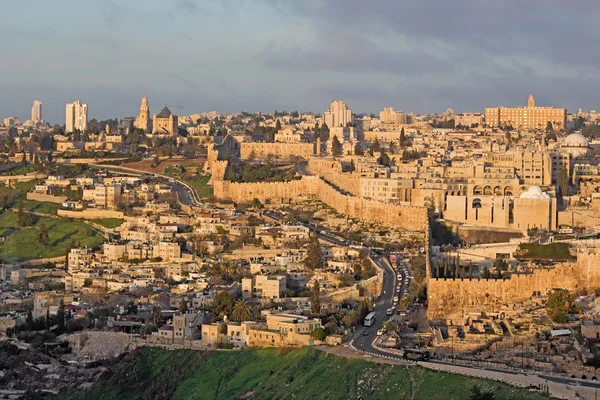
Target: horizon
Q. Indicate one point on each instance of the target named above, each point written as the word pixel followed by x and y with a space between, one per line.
pixel 271 55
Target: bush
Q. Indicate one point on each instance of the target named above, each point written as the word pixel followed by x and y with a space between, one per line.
pixel 225 346
pixel 319 334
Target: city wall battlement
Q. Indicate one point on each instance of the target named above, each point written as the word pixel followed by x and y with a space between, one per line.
pixel 450 298
pixel 404 217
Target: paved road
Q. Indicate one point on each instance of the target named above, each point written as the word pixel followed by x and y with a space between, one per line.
pixel 321 232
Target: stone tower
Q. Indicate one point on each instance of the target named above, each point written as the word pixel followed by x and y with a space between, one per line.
pixel 143 120
pixel 531 101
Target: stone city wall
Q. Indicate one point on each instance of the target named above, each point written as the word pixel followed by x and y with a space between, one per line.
pixel 331 170
pixel 90 214
pixel 454 297
pixel 249 150
pixel 46 198
pixel 404 217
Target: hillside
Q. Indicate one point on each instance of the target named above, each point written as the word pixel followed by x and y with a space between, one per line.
pixel 150 373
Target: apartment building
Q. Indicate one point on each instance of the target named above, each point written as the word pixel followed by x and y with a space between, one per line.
pixel 265 286
pixel 76 117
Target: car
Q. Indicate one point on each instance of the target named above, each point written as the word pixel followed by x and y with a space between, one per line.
pixel 389 311
pixel 380 332
pixel 395 299
pixel 366 333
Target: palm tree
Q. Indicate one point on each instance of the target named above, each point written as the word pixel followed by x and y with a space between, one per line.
pixel 241 311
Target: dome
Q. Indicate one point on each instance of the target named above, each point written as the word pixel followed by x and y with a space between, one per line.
pixel 534 192
pixel 575 140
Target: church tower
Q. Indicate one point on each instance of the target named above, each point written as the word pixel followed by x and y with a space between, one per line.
pixel 143 120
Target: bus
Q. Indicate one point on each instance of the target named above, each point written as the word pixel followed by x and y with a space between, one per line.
pixel 369 319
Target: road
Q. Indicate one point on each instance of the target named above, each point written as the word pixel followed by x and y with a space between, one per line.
pixel 322 233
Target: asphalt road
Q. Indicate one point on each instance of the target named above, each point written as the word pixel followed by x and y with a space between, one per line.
pixel 364 342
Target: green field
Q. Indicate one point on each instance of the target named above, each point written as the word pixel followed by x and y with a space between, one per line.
pixel 198 182
pixel 42 208
pixel 21 243
pixel 109 223
pixel 306 374
pixel 200 185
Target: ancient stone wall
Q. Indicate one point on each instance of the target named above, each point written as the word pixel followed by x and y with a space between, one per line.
pixel 90 214
pixel 456 297
pixel 404 217
pixel 331 170
pixel 47 198
pixel 250 150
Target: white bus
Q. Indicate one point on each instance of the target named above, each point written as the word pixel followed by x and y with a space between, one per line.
pixel 369 319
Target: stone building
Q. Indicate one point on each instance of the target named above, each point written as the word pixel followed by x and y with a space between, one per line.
pixel 165 123
pixel 143 119
pixel 530 117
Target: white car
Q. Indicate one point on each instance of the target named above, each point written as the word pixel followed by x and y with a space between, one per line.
pixel 380 332
pixel 389 311
pixel 395 299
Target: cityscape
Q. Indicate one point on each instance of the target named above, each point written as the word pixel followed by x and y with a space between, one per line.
pixel 334 250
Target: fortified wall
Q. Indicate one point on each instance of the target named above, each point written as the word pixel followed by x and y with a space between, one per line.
pixel 331 170
pixel 404 217
pixel 249 150
pixel 454 298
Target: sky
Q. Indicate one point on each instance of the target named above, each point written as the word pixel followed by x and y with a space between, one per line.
pixel 417 56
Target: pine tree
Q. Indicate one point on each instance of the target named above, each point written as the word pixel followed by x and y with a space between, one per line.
pixel 60 315
pixel 314 258
pixel 183 307
pixel 315 299
pixel 278 125
pixel 402 138
pixel 336 147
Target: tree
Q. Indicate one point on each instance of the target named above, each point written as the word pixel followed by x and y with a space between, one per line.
pixel 314 257
pixel 336 147
pixel 358 150
pixel 559 303
pixel 131 308
pixel 563 180
pixel 183 307
pixel 47 321
pixel 402 138
pixel 384 159
pixel 43 238
pixel 390 326
pixel 256 203
pixel 315 299
pixel 278 125
pixel 156 315
pixel 324 132
pixel 508 136
pixel 60 315
pixel 477 394
pixel 222 305
pixel 319 334
pixel 29 320
pixel 241 311
pixel 549 127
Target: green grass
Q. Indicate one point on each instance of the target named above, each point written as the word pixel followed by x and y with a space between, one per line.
pixel 21 243
pixel 19 169
pixel 200 185
pixel 39 207
pixel 109 223
pixel 303 374
pixel 552 251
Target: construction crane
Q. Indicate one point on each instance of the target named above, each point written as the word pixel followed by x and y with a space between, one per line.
pixel 180 108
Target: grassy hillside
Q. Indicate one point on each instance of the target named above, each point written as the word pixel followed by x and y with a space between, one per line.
pixel 266 374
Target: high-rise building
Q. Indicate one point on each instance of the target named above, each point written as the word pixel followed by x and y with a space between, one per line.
pixel 391 117
pixel 338 115
pixel 143 120
pixel 530 117
pixel 36 112
pixel 76 117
